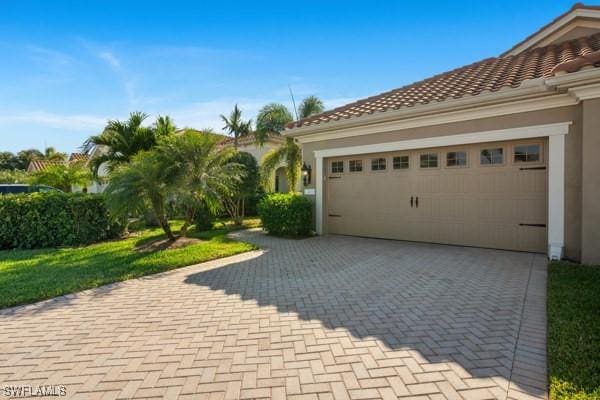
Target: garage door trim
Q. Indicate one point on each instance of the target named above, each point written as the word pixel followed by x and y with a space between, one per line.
pixel 556 165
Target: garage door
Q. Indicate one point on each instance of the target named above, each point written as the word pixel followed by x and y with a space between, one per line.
pixel 489 195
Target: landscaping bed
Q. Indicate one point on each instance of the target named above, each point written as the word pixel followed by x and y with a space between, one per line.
pixel 574 331
pixel 27 276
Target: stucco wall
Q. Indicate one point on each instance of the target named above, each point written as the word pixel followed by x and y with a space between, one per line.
pixel 590 179
pixel 572 157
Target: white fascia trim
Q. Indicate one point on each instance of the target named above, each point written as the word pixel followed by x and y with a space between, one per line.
pixel 549 30
pixel 561 128
pixel 446 118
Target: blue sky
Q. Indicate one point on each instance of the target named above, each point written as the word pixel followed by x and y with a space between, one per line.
pixel 68 66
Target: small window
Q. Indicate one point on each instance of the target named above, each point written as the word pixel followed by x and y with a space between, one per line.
pixel 492 156
pixel 401 162
pixel 378 164
pixel 527 153
pixel 456 159
pixel 355 165
pixel 429 160
pixel 337 167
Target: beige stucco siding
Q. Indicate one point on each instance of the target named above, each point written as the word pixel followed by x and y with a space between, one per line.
pixel 573 154
pixel 590 205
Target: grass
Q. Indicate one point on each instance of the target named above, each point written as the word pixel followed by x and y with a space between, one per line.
pixel 27 276
pixel 574 331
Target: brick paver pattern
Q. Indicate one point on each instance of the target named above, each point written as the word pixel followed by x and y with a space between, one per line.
pixel 320 318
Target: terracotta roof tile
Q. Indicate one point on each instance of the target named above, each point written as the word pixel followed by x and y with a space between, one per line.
pixel 78 157
pixel 42 165
pixel 489 75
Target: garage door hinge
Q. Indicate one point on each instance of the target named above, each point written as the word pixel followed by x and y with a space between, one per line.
pixel 528 168
pixel 536 225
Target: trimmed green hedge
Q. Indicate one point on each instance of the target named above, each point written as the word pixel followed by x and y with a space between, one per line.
pixel 286 214
pixel 53 219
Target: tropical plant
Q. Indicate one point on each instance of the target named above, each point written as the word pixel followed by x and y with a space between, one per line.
pixel 51 154
pixel 9 161
pixel 201 172
pixel 235 204
pixel 124 139
pixel 137 185
pixel 271 120
pixel 311 105
pixel 63 176
pixel 236 126
pixel 187 171
pixel 27 156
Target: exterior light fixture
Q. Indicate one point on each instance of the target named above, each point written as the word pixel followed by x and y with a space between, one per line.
pixel 306 172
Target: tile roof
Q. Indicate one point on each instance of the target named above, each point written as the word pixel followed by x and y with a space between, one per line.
pixel 78 157
pixel 42 165
pixel 489 75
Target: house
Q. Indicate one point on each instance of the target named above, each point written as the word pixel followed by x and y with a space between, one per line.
pixel 96 186
pixel 502 153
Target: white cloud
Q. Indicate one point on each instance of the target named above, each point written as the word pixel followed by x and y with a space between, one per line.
pixel 52 120
pixel 111 59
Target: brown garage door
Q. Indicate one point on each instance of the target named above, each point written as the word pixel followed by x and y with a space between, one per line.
pixel 487 195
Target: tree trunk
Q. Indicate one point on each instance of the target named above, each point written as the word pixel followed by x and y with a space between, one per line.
pixel 237 219
pixel 162 218
pixel 164 224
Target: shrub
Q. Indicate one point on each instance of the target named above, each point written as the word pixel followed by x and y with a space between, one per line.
pixel 53 219
pixel 203 218
pixel 286 214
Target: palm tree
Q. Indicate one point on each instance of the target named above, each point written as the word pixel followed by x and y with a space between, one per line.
pixel 124 139
pixel 311 105
pixel 236 126
pixel 201 172
pixel 272 119
pixel 51 154
pixel 135 185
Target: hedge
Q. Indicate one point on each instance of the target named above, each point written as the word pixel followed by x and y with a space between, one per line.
pixel 53 219
pixel 286 214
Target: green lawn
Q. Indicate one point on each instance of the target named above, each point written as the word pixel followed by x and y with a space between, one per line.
pixel 574 331
pixel 27 276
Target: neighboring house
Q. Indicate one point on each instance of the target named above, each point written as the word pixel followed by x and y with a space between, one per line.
pixel 502 153
pixel 98 185
pixel 249 144
pixel 94 187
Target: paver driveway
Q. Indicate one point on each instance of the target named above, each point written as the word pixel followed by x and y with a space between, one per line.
pixel 328 317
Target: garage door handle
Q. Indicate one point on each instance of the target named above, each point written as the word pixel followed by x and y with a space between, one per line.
pixel 417 202
pixel 411 201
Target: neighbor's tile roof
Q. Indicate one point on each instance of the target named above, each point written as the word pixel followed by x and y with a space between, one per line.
pixel 41 165
pixel 488 75
pixel 78 157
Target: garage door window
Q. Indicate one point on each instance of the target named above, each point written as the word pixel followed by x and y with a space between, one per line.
pixel 355 165
pixel 337 167
pixel 378 164
pixel 492 156
pixel 429 160
pixel 401 162
pixel 527 153
pixel 456 159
